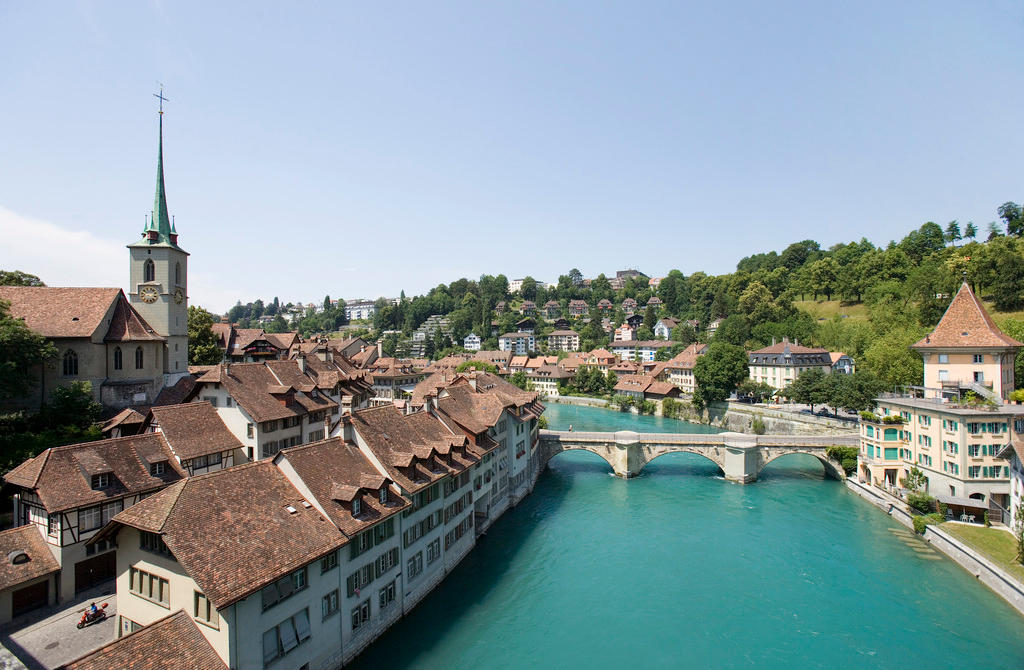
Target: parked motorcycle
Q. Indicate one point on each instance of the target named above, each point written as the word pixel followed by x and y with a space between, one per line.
pixel 89 617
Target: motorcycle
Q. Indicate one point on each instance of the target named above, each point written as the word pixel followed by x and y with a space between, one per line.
pixel 89 618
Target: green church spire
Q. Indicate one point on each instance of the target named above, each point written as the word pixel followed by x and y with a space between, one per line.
pixel 161 220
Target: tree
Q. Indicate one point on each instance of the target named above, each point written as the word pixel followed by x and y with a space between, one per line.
pixel 477 365
pixel 915 480
pixel 757 391
pixel 718 372
pixel 970 231
pixel 19 278
pixel 21 350
pixel 808 388
pixel 202 343
pixel 576 277
pixel 1013 216
pixel 529 288
pixel 73 405
pixel 519 379
pixel 733 330
pixel 993 231
pixel 952 233
pixel 891 359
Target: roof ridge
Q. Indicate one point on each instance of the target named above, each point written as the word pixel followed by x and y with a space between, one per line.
pixel 123 438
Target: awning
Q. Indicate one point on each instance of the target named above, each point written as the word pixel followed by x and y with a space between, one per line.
pixel 962 502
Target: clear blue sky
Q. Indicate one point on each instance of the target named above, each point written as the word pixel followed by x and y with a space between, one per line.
pixel 361 149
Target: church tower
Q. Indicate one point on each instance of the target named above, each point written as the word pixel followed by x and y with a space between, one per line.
pixel 158 289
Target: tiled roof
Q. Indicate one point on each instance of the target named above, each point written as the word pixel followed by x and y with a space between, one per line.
pixel 194 429
pixel 259 389
pixel 40 562
pixel 230 541
pixel 966 323
pixel 62 476
pixel 127 325
pixel 641 344
pixel 125 417
pixel 334 468
pixel 76 312
pixel 173 395
pixel 564 333
pixel 171 643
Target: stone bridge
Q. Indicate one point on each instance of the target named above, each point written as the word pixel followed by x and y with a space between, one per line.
pixel 741 457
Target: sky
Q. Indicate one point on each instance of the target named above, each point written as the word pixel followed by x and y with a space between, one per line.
pixel 361 149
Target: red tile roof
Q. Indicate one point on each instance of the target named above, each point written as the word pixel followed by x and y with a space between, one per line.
pixel 171 643
pixel 333 468
pixel 966 323
pixel 62 476
pixel 77 312
pixel 194 429
pixel 230 541
pixel 40 562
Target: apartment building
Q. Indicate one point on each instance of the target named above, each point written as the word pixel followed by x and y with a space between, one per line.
pixel 267 406
pixel 954 432
pixel 782 362
pixel 517 343
pixel 564 340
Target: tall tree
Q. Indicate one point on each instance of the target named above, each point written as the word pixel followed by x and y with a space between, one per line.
pixel 970 231
pixel 952 233
pixel 718 372
pixel 1012 215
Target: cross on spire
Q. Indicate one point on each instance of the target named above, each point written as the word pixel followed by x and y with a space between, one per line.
pixel 161 98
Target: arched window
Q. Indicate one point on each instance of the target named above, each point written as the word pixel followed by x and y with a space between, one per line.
pixel 148 270
pixel 177 274
pixel 70 367
pixel 118 358
pixel 138 358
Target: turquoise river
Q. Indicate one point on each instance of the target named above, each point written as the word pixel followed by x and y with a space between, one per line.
pixel 681 569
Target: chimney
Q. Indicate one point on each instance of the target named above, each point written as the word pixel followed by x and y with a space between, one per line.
pixel 773 340
pixel 300 358
pixel 380 348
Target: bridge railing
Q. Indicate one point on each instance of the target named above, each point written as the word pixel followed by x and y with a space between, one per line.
pixel 706 438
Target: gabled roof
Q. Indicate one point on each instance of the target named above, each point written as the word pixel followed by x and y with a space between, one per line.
pixel 966 323
pixel 232 530
pixel 400 441
pixel 335 471
pixel 258 389
pixel 194 429
pixel 62 476
pixel 77 312
pixel 171 643
pixel 127 325
pixel 28 540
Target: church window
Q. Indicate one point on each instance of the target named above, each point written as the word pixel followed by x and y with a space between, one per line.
pixel 138 358
pixel 118 358
pixel 148 271
pixel 70 367
pixel 177 273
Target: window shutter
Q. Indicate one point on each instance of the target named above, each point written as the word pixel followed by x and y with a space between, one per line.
pixel 350 587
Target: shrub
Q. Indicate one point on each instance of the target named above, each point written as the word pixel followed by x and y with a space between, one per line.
pixel 757 425
pixel 1017 396
pixel 670 408
pixel 870 416
pixel 921 502
pixel 922 522
pixel 646 407
pixel 845 456
pixel 893 418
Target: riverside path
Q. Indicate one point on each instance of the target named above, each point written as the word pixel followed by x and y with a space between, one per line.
pixel 740 456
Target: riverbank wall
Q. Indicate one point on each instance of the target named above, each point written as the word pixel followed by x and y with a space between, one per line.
pixel 988 573
pixel 737 417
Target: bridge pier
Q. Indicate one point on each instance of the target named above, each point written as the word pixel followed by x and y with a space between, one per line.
pixel 741 458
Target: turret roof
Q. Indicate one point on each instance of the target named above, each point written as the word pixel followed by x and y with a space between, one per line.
pixel 966 323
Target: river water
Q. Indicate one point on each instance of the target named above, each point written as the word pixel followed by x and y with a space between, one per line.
pixel 680 569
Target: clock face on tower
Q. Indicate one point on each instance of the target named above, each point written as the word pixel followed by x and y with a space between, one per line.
pixel 148 294
pixel 179 296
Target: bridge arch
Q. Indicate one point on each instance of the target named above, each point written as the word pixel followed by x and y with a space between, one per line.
pixel 703 453
pixel 563 449
pixel 833 470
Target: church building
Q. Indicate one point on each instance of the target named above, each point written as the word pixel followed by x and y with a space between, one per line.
pixel 128 348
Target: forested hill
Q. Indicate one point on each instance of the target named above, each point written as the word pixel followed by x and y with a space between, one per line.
pixel 890 296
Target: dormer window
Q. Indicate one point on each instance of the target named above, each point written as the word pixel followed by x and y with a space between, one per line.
pixel 384 495
pixel 101 481
pixel 158 468
pixel 357 506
